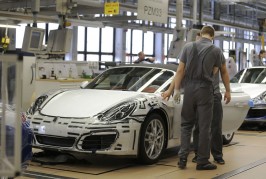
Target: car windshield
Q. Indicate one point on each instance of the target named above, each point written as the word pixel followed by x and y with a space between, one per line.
pixel 132 79
pixel 252 75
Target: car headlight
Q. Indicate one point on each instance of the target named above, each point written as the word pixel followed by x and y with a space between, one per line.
pixel 118 112
pixel 38 102
pixel 260 100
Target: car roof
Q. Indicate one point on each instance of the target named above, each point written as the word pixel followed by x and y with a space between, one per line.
pixel 256 67
pixel 172 67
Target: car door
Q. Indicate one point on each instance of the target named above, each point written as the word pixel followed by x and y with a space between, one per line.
pixel 234 112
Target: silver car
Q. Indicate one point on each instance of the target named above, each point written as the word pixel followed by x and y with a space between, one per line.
pixel 253 82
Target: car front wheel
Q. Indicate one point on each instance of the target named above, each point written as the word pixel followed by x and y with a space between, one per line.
pixel 152 139
pixel 227 138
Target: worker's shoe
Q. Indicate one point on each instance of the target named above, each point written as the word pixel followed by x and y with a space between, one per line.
pixel 182 163
pixel 219 161
pixel 206 166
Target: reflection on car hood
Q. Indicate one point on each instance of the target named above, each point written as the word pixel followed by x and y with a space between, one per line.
pixel 253 90
pixel 84 102
pixel 235 88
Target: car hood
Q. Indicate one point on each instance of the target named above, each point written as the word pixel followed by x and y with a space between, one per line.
pixel 85 102
pixel 253 90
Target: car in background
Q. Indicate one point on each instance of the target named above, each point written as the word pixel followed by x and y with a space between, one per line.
pixel 121 112
pixel 253 82
pixel 26 137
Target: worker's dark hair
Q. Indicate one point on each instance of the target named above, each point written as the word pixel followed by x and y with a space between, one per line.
pixel 262 51
pixel 207 30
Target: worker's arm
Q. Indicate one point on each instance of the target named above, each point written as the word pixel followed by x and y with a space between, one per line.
pixel 151 59
pixel 215 70
pixel 175 84
pixel 169 91
pixel 226 82
pixel 180 72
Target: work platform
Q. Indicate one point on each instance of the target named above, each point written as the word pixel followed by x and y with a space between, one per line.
pixel 245 158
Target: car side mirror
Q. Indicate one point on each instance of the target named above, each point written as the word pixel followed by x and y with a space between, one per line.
pixel 84 84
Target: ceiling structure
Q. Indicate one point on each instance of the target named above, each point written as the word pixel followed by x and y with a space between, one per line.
pixel 243 14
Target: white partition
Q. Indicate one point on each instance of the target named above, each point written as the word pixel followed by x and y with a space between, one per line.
pixel 42 75
pixel 10 121
pixel 59 74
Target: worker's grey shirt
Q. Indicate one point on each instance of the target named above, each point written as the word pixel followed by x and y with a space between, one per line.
pixel 212 58
pixel 257 62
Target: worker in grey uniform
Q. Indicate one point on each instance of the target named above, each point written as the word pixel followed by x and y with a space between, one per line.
pixel 199 61
pixel 197 69
pixel 258 61
pixel 216 125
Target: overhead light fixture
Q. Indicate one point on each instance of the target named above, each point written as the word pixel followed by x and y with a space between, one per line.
pixel 8 26
pixel 218 33
pixel 86 23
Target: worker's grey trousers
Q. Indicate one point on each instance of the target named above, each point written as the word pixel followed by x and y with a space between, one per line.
pixel 216 129
pixel 197 103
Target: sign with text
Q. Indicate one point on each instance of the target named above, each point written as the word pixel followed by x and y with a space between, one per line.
pixel 111 8
pixel 153 10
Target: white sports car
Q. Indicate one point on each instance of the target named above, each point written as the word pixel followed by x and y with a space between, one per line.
pixel 120 112
pixel 253 82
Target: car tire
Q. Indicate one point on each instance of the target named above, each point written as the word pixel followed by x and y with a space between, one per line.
pixel 152 139
pixel 227 138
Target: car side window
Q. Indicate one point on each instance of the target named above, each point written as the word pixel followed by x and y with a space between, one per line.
pixel 252 76
pixel 158 82
pixel 143 79
pixel 261 77
pixel 166 87
pixel 237 77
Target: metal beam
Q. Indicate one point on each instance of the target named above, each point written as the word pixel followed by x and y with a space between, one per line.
pixel 24 4
pixel 27 18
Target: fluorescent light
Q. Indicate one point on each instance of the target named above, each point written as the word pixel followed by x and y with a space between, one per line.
pixel 8 26
pixel 217 33
pixel 77 22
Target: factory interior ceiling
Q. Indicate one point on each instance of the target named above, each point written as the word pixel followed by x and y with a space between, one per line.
pixel 243 14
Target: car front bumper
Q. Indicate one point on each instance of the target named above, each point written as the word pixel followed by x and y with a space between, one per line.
pixel 256 115
pixel 111 139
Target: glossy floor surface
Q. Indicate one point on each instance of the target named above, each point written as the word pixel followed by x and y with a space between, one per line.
pixel 245 158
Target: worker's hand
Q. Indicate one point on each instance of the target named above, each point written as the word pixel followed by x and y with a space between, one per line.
pixel 177 96
pixel 165 95
pixel 227 97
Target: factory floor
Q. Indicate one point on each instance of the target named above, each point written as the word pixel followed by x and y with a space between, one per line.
pixel 245 158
